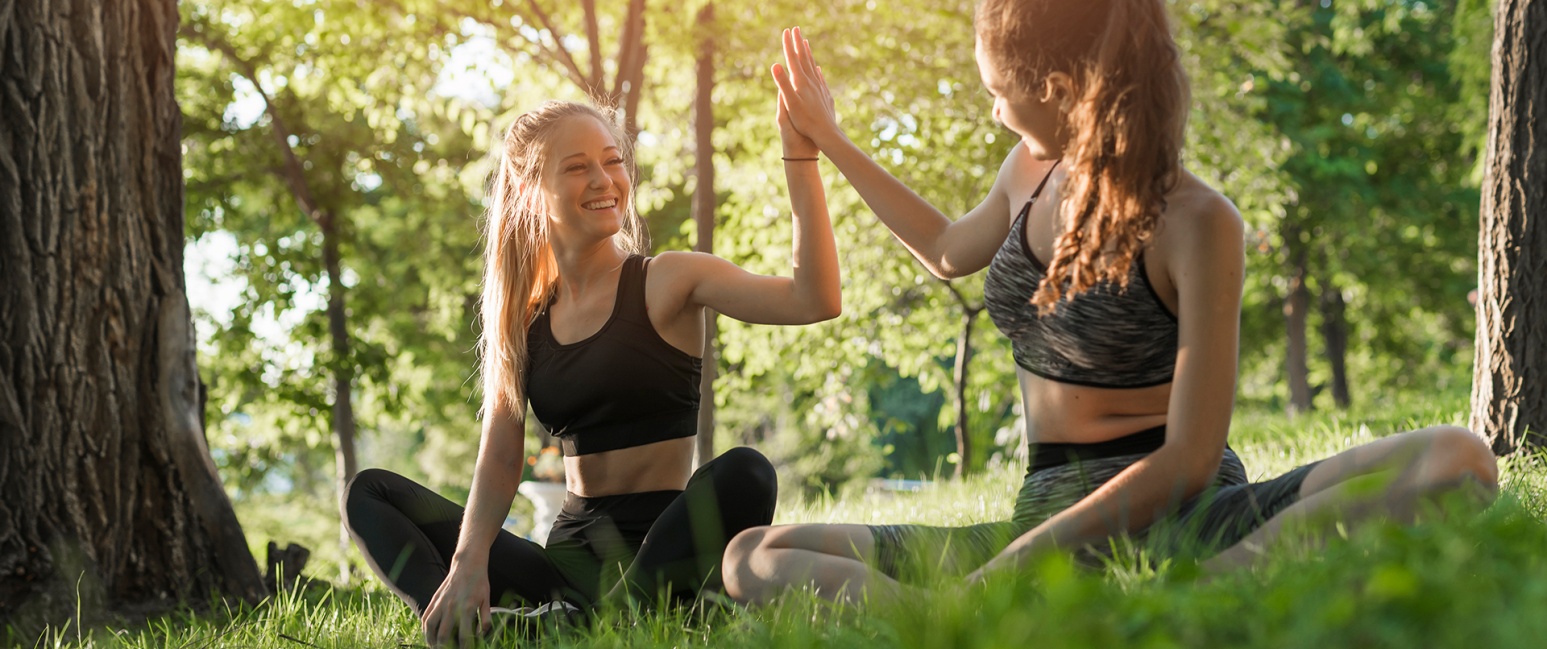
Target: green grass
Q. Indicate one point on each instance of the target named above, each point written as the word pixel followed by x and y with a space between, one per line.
pixel 1467 581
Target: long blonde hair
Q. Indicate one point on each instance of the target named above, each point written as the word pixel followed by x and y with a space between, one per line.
pixel 1127 121
pixel 520 273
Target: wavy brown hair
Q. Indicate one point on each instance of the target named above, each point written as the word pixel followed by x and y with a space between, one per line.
pixel 520 273
pixel 1126 120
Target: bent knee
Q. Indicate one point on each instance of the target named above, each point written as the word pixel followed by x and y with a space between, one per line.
pixel 365 485
pixel 749 463
pixel 741 582
pixel 1456 455
pixel 745 544
pixel 747 472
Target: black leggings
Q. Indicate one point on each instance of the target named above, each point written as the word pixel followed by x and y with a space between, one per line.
pixel 642 545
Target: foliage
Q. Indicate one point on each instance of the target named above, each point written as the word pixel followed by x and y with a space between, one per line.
pixel 394 104
pixel 382 152
pixel 1381 190
pixel 909 94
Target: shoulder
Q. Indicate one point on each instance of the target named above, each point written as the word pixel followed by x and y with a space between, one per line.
pixel 1200 225
pixel 680 271
pixel 1019 175
pixel 680 263
pixel 1020 172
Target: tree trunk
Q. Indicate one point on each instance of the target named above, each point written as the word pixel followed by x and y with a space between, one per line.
pixel 343 376
pixel 963 357
pixel 1296 305
pixel 1334 334
pixel 703 215
pixel 112 503
pixel 343 366
pixel 1509 395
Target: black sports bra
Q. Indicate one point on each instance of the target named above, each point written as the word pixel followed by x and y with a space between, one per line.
pixel 1105 337
pixel 623 386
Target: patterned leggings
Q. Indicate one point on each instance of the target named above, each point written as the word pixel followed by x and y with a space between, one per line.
pixel 1214 520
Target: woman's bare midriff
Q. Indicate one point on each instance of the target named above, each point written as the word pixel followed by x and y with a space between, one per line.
pixel 662 466
pixel 1078 414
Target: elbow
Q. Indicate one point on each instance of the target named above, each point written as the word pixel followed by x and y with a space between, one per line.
pixel 1194 469
pixel 942 268
pixel 1202 472
pixel 831 305
pixel 826 309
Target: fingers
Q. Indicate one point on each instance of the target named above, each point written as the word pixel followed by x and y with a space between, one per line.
pixel 782 78
pixel 484 622
pixel 431 622
pixel 804 56
pixel 791 56
pixel 465 633
pixel 441 632
pixel 444 629
pixel 808 62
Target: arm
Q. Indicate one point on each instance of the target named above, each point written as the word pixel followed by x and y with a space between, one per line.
pixel 812 293
pixel 463 598
pixel 1207 267
pixel 947 248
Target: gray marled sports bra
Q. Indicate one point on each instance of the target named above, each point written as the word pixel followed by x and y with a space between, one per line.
pixel 1105 337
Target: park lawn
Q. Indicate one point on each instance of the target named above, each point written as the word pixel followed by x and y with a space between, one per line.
pixel 1474 581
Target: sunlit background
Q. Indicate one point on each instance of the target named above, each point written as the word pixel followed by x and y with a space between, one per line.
pixel 1347 134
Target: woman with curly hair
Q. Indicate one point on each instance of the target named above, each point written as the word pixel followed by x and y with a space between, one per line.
pixel 1117 276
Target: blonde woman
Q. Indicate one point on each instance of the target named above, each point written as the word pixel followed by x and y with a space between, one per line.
pixel 604 344
pixel 1117 276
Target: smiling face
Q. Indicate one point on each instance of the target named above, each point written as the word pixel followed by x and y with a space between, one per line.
pixel 586 181
pixel 1039 123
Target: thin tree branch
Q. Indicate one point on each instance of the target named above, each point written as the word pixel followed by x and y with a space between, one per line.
pixel 561 53
pixel 631 67
pixel 593 36
pixel 961 299
pixel 294 172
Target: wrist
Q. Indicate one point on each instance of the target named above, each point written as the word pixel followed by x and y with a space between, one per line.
pixel 801 152
pixel 469 560
pixel 827 140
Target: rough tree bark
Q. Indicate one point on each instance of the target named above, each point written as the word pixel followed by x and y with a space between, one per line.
pixel 703 215
pixel 110 493
pixel 1509 391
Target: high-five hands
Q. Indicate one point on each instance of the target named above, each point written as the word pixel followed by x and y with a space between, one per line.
pixel 805 103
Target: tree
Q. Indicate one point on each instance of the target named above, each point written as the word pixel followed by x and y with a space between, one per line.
pixel 1509 397
pixel 703 212
pixel 329 221
pixel 1369 110
pixel 352 233
pixel 112 502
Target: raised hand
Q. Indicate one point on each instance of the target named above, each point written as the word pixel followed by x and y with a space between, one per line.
pixel 796 144
pixel 805 103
